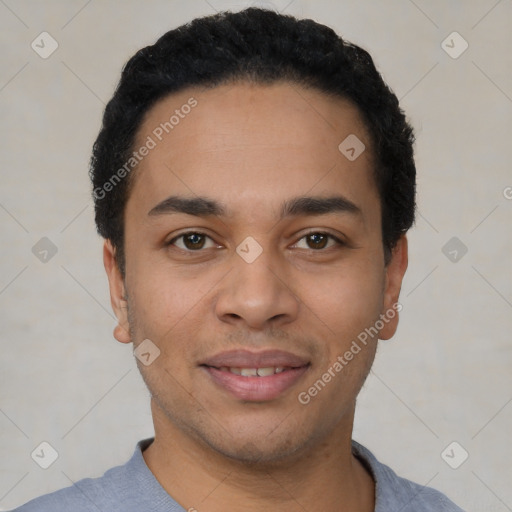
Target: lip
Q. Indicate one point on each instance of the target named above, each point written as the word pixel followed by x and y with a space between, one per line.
pixel 256 389
pixel 263 359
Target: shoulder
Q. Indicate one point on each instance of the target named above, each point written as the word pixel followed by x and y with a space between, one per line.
pixel 89 494
pixel 396 493
pixel 112 491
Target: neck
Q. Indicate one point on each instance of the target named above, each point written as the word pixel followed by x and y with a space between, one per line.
pixel 325 477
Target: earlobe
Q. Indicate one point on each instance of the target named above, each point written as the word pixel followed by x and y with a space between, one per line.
pixel 117 293
pixel 395 271
pixel 121 333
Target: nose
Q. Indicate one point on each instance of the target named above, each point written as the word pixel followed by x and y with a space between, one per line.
pixel 257 295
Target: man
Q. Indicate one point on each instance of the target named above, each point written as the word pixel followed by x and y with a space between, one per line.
pixel 253 180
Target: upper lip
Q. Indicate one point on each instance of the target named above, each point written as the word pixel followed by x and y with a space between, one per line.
pixel 263 359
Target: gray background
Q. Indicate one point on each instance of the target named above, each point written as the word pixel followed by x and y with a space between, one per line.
pixel 446 376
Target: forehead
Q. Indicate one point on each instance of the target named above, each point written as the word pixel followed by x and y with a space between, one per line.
pixel 244 142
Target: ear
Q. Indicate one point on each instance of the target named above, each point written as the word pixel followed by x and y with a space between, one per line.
pixel 395 271
pixel 117 293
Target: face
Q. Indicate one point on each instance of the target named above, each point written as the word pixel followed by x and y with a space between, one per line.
pixel 254 260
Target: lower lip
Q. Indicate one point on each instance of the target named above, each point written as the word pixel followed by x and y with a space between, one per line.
pixel 256 389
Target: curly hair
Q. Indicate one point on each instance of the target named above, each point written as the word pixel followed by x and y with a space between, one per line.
pixel 262 47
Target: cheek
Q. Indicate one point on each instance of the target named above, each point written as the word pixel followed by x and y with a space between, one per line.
pixel 347 301
pixel 343 309
pixel 159 299
pixel 170 305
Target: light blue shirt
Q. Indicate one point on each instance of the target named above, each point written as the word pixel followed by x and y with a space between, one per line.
pixel 133 488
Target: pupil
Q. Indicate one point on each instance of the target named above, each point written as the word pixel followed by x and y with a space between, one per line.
pixel 318 240
pixel 194 240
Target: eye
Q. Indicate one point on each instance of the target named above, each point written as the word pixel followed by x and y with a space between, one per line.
pixel 192 241
pixel 318 240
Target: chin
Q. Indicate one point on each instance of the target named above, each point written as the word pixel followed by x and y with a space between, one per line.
pixel 260 453
pixel 278 445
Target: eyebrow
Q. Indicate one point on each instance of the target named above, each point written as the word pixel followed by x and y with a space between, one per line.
pixel 303 205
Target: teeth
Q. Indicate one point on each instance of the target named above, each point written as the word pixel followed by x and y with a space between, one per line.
pixel 249 372
pixel 253 372
pixel 264 372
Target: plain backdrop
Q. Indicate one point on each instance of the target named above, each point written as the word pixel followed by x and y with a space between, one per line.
pixel 446 375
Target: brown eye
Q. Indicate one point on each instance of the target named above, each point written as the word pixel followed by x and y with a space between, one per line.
pixel 192 241
pixel 319 240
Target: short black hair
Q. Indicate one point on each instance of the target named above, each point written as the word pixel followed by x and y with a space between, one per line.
pixel 262 47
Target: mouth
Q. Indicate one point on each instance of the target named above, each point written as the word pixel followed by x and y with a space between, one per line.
pixel 255 377
pixel 253 372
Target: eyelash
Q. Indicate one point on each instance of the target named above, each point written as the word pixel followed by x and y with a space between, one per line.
pixel 339 242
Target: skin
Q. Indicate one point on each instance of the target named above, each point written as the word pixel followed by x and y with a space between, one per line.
pixel 251 147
